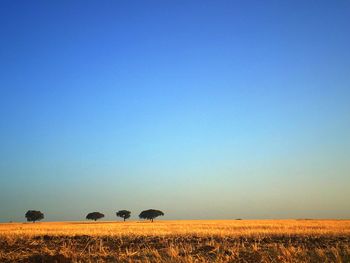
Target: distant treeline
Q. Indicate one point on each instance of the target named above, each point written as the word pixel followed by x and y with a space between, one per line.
pixel 150 214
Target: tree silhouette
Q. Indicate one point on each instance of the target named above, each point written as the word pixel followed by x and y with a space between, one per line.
pixel 125 214
pixel 33 216
pixel 150 214
pixel 94 216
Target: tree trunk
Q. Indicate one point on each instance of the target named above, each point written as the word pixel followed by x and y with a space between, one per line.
pixel 152 220
pixel 124 219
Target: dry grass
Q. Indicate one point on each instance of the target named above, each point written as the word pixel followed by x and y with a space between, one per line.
pixel 177 241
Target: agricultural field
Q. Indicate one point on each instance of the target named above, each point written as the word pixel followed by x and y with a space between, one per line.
pixel 177 241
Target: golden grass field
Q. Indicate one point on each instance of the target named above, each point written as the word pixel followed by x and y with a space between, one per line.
pixel 177 241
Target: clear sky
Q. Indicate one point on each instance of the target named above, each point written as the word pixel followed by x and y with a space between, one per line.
pixel 202 109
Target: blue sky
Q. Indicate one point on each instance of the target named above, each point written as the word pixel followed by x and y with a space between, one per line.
pixel 203 109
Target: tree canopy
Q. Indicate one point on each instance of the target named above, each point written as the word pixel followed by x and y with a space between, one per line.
pixel 95 216
pixel 125 214
pixel 33 215
pixel 150 214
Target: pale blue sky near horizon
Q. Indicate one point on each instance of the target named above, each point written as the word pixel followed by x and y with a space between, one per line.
pixel 202 109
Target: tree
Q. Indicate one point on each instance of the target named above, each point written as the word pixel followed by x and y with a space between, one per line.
pixel 150 214
pixel 94 216
pixel 125 214
pixel 33 215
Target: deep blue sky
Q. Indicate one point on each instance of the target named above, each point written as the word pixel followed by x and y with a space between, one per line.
pixel 203 109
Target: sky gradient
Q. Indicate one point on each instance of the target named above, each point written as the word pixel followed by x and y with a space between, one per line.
pixel 202 109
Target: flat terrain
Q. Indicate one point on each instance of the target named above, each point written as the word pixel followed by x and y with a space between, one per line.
pixel 177 241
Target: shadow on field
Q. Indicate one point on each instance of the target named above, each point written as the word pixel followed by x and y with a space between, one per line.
pixel 84 248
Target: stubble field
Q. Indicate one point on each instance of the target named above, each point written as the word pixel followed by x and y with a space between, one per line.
pixel 177 241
